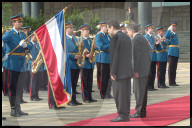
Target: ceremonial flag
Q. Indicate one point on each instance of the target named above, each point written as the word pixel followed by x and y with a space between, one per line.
pixel 51 38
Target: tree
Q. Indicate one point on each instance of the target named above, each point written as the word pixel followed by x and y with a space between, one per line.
pixel 6 14
pixel 93 22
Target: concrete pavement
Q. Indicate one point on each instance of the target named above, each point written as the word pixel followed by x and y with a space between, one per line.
pixel 41 115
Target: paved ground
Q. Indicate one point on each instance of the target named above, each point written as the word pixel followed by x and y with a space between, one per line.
pixel 41 115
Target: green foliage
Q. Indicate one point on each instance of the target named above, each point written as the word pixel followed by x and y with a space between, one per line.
pixel 77 18
pixel 93 22
pixel 6 14
pixel 34 23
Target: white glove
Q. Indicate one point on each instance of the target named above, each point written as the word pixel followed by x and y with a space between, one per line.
pixel 5 57
pixel 23 44
pixel 170 27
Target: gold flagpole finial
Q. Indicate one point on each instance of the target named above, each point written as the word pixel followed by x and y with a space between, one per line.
pixel 64 10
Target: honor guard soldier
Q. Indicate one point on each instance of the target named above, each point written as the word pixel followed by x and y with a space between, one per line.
pixel 71 41
pixel 122 28
pixel 35 76
pixel 162 57
pixel 152 49
pixel 87 69
pixel 173 53
pixel 16 63
pixel 102 41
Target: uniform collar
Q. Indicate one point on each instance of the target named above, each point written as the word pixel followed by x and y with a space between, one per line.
pixel 15 30
pixel 149 34
pixel 70 36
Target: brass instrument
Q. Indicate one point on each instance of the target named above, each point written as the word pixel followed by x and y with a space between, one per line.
pixel 82 53
pixel 93 52
pixel 28 56
pixel 38 61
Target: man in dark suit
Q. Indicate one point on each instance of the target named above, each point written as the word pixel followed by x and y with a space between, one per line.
pixel 120 70
pixel 141 67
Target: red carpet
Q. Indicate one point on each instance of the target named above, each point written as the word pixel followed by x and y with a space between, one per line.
pixel 159 114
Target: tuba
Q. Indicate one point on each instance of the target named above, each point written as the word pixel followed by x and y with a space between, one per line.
pixel 82 53
pixel 93 52
pixel 38 61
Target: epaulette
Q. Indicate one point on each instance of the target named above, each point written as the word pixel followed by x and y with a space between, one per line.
pixel 100 35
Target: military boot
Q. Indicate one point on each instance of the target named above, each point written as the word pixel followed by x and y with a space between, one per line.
pixel 14 111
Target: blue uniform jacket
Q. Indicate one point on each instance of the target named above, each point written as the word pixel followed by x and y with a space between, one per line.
pixel 14 62
pixel 151 40
pixel 103 43
pixel 161 51
pixel 34 51
pixel 3 54
pixel 87 64
pixel 172 51
pixel 72 48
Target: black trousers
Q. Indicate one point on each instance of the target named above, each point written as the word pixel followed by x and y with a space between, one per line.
pixel 35 83
pixel 152 74
pixel 161 72
pixel 103 75
pixel 86 83
pixel 5 86
pixel 74 80
pixel 28 81
pixel 45 79
pixel 51 100
pixel 172 69
pixel 15 84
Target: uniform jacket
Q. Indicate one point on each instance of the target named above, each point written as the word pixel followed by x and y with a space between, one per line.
pixel 161 51
pixel 72 48
pixel 11 40
pixel 121 56
pixel 172 51
pixel 87 64
pixel 103 43
pixel 151 40
pixel 34 51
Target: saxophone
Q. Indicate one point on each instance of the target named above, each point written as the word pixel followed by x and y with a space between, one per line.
pixel 38 61
pixel 93 52
pixel 82 53
pixel 28 56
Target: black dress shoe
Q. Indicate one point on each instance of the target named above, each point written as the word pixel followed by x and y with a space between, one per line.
pixel 108 97
pixel 56 108
pixel 174 85
pixel 153 89
pixel 92 91
pixel 3 118
pixel 137 116
pixel 86 101
pixel 77 103
pixel 72 103
pixel 92 100
pixel 36 99
pixel 120 119
pixel 22 101
pixel 78 92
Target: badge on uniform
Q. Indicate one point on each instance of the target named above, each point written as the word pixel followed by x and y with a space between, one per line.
pixel 67 37
pixel 14 33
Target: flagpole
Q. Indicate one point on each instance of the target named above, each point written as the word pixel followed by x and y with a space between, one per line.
pixel 64 10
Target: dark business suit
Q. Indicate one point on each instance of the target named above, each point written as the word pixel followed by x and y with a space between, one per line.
pixel 121 67
pixel 141 64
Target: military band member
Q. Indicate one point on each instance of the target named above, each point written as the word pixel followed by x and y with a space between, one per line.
pixel 123 29
pixel 35 77
pixel 26 80
pixel 27 30
pixel 162 57
pixel 152 48
pixel 173 53
pixel 71 41
pixel 87 69
pixel 16 63
pixel 102 41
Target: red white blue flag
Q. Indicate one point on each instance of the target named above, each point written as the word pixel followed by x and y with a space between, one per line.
pixel 51 38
